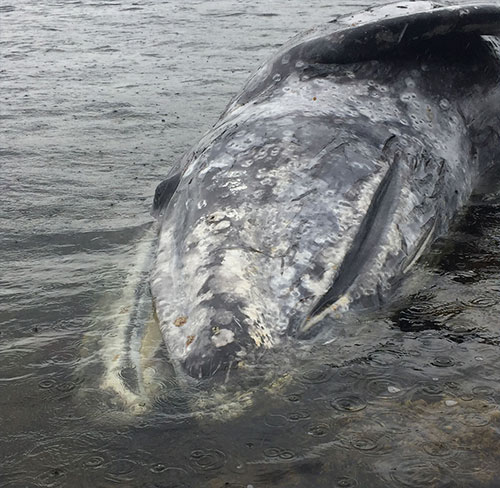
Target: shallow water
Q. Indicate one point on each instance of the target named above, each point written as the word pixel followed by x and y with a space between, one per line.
pixel 98 100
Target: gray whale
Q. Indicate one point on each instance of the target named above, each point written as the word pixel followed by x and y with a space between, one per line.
pixel 345 156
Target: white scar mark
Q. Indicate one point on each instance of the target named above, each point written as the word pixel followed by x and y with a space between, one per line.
pixel 222 337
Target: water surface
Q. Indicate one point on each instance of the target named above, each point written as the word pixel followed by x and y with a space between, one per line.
pixel 99 98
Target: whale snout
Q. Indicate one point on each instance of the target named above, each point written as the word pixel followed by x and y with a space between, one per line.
pixel 213 357
pixel 210 339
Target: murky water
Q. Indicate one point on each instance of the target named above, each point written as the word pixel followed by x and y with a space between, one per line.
pixel 98 98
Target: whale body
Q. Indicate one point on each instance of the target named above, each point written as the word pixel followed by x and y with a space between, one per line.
pixel 344 157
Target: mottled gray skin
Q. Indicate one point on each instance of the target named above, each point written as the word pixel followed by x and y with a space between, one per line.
pixel 344 158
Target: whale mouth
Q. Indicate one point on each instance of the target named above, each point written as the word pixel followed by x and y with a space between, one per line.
pixel 212 361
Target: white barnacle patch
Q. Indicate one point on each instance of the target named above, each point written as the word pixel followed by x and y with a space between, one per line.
pixel 234 185
pixel 410 83
pixel 233 270
pixel 242 142
pixel 257 328
pixel 318 287
pixel 444 104
pixel 222 337
pixel 216 217
pixel 342 304
pixel 303 257
pixel 408 96
pixel 222 225
pixel 234 213
pixel 267 181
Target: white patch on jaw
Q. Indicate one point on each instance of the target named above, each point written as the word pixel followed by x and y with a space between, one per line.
pixel 223 338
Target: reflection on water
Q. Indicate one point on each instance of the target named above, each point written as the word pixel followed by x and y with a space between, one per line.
pixel 98 99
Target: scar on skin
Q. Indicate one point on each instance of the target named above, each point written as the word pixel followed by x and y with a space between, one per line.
pixel 222 337
pixel 180 321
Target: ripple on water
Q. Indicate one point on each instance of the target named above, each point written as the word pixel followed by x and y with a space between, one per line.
pixel 94 462
pixel 294 397
pixel 276 420
pixel 318 429
pixel 371 443
pixel 385 358
pixel 64 357
pixel 202 460
pixel 299 415
pixel 443 361
pixel 384 387
pixel 66 386
pixel 483 391
pixel 432 388
pixel 169 473
pixel 438 449
pixel 175 398
pixel 481 302
pixel 316 375
pixel 418 474
pixel 346 482
pixel 349 403
pixel 121 470
pixel 279 453
pixel 364 443
pixel 47 383
pixel 475 419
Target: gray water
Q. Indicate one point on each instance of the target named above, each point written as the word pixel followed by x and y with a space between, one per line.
pixel 98 99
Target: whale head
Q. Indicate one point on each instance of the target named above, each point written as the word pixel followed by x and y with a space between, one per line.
pixel 321 185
